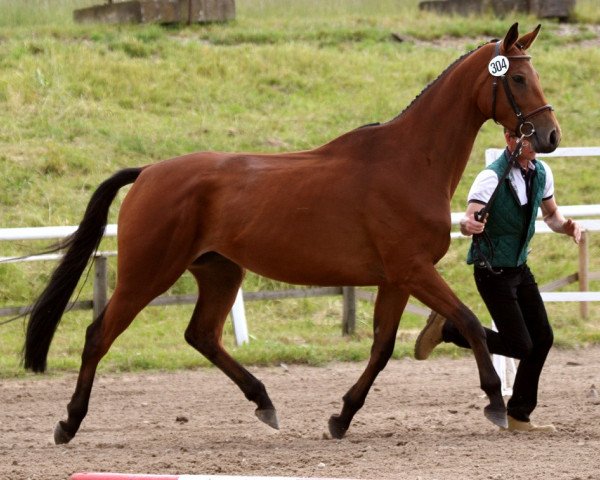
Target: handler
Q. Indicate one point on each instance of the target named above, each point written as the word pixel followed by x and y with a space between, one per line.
pixel 510 291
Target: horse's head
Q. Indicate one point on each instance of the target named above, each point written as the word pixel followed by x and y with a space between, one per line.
pixel 513 93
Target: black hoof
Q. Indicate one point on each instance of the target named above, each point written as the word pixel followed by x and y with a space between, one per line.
pixel 496 415
pixel 268 416
pixel 61 436
pixel 337 428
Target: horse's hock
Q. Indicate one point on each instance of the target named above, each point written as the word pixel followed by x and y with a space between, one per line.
pixel 561 9
pixel 158 11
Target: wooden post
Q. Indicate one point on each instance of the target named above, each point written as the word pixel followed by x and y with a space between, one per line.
pixel 158 11
pixel 349 315
pixel 100 285
pixel 584 264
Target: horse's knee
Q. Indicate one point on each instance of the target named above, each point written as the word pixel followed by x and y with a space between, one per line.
pixel 468 325
pixel 380 356
pixel 204 342
pixel 474 325
pixel 195 339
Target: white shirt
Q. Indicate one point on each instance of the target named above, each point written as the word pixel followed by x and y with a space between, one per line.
pixel 487 180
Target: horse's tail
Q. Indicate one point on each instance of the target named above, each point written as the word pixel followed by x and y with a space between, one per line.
pixel 50 306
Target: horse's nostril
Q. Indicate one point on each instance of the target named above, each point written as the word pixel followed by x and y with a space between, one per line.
pixel 553 138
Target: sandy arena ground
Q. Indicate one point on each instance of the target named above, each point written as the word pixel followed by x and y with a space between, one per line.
pixel 422 420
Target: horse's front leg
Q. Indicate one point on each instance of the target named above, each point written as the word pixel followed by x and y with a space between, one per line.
pixel 388 309
pixel 430 288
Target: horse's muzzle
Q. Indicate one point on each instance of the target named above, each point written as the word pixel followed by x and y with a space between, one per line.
pixel 546 140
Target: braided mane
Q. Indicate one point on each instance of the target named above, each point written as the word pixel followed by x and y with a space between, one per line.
pixel 440 76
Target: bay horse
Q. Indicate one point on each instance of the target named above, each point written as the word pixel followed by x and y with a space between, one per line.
pixel 371 207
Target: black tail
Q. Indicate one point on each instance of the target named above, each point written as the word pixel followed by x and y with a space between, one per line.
pixel 50 306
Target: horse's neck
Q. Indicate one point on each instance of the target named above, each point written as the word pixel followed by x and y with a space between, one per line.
pixel 438 130
pixel 443 122
pixel 448 147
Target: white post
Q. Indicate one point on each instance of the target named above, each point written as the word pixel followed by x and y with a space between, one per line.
pixel 583 274
pixel 506 370
pixel 238 316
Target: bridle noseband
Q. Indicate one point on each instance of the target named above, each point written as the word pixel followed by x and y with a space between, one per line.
pixel 521 118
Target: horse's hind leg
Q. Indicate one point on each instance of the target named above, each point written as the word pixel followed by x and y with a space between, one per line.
pixel 135 288
pixel 100 335
pixel 389 306
pixel 219 280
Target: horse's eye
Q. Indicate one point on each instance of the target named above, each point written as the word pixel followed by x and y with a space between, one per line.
pixel 520 79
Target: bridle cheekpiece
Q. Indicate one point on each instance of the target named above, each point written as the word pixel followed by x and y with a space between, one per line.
pixel 524 127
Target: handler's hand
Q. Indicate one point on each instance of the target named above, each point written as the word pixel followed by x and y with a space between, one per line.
pixel 573 229
pixel 469 226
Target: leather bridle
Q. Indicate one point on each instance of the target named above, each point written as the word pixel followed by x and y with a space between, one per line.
pixel 521 118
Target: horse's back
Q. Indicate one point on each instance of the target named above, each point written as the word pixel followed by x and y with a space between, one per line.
pixel 278 215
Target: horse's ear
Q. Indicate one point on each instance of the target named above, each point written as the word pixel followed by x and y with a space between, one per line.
pixel 526 40
pixel 510 38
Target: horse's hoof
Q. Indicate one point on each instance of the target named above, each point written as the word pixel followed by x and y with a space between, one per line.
pixel 496 416
pixel 268 416
pixel 61 436
pixel 337 429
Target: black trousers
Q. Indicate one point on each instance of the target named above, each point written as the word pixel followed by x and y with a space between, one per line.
pixel 515 304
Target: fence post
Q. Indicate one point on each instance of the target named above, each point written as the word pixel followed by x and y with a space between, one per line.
pixel 100 285
pixel 583 271
pixel 238 317
pixel 349 315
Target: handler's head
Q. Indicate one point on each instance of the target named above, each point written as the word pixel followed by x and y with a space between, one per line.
pixel 527 151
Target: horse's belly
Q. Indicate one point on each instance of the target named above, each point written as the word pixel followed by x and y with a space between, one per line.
pixel 310 263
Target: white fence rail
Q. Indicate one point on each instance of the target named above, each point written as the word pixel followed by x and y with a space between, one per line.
pixel 491 154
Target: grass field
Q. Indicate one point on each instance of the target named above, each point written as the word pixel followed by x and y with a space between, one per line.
pixel 78 102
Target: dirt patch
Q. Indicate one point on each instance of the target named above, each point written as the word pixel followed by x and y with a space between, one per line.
pixel 422 420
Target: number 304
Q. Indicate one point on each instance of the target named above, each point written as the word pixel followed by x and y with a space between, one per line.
pixel 498 66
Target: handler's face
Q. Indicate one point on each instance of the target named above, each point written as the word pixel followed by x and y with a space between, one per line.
pixel 527 151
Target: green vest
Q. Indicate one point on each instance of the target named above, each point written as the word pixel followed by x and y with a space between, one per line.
pixel 507 226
